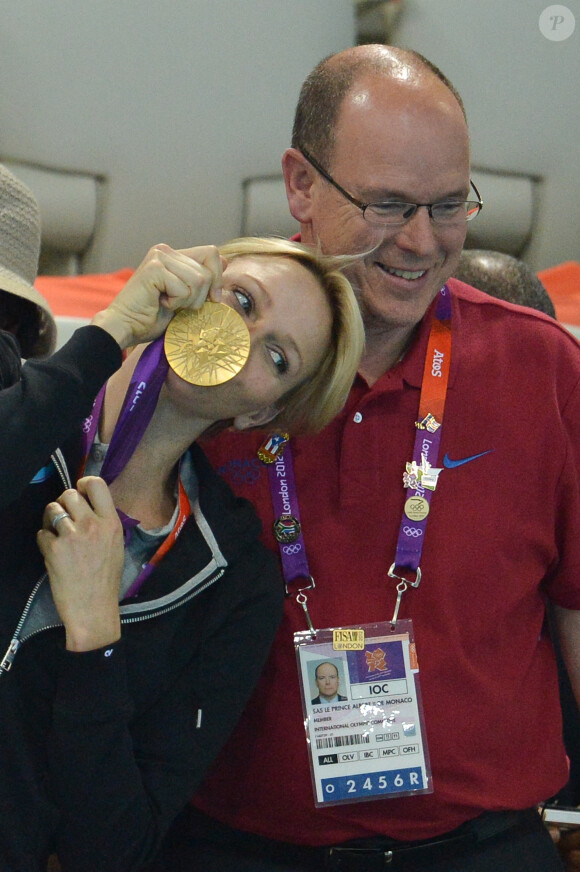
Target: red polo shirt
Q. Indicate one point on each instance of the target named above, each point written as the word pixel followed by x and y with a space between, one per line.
pixel 502 532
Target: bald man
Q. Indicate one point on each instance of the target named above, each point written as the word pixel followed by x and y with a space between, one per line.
pixel 446 494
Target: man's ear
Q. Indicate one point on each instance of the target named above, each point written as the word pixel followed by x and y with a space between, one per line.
pixel 256 419
pixel 298 177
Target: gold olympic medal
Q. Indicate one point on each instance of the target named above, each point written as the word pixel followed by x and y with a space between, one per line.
pixel 416 508
pixel 207 346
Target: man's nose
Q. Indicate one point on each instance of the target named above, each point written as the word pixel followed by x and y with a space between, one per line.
pixel 419 233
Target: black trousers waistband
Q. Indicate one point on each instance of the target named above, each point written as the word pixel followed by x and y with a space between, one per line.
pixel 377 854
pixel 390 854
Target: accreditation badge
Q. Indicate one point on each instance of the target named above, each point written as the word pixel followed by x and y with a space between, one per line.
pixel 363 714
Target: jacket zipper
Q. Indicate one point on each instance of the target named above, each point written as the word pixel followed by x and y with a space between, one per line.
pixel 61 467
pixel 6 664
pixel 172 606
pixel 8 658
pixel 16 642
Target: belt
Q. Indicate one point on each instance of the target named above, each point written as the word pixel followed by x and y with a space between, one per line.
pixel 392 855
pixel 374 854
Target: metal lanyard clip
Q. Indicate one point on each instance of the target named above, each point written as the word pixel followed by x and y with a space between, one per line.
pixel 401 588
pixel 302 601
pixel 392 574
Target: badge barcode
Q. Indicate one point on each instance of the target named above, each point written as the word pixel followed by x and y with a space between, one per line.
pixel 341 741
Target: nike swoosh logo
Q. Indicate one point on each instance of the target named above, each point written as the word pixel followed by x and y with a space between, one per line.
pixel 451 464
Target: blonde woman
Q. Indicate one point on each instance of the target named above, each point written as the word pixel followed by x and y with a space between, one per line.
pixel 111 714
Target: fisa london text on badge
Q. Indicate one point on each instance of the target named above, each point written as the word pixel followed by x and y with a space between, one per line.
pixel 363 713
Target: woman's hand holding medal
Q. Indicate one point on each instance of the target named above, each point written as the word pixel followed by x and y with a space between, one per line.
pixel 167 280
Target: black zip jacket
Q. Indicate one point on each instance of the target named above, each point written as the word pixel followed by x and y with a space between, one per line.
pixel 68 381
pixel 100 750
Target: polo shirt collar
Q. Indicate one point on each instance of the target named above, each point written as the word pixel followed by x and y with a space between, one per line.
pixel 409 369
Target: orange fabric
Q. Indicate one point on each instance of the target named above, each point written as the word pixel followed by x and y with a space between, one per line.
pixel 81 296
pixel 562 283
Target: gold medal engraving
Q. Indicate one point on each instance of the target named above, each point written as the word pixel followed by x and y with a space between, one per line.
pixel 207 346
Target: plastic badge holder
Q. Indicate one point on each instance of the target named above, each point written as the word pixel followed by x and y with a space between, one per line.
pixel 369 742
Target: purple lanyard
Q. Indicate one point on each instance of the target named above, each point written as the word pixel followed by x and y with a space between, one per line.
pixel 285 503
pixel 136 413
pixel 137 410
pixel 420 477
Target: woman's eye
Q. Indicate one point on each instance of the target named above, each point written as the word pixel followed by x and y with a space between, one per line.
pixel 244 301
pixel 280 361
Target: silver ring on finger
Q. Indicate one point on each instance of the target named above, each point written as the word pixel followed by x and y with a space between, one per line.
pixel 58 518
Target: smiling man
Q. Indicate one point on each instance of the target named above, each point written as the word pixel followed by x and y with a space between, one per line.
pixel 398 138
pixel 446 493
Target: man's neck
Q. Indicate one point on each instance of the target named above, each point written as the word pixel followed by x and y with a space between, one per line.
pixel 384 348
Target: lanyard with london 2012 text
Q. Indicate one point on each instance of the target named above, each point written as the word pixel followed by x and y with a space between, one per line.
pixel 421 474
pixel 138 407
pixel 287 528
pixel 419 479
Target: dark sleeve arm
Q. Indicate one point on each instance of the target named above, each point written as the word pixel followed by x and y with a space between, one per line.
pixel 53 396
pixel 120 778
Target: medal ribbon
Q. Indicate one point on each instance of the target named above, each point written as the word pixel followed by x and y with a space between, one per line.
pixel 137 410
pixel 136 413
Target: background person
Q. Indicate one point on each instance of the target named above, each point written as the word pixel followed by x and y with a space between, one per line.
pixel 42 400
pixel 24 313
pixel 381 126
pixel 504 277
pixel 125 708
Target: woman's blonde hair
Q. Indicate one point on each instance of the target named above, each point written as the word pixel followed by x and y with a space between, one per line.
pixel 311 405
